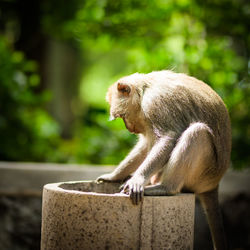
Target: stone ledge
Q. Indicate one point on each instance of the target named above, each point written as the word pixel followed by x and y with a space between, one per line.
pixel 29 178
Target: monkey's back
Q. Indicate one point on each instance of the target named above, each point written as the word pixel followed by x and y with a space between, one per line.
pixel 173 101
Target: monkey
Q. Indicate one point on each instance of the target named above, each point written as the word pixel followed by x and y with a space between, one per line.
pixel 184 141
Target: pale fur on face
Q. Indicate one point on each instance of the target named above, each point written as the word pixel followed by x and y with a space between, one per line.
pixel 120 104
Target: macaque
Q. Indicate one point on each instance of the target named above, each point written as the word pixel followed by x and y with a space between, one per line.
pixel 184 140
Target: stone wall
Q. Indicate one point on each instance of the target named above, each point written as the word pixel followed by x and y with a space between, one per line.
pixel 20 222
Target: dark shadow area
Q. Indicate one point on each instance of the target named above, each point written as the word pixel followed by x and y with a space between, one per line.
pixel 104 187
pixel 236 218
pixel 20 222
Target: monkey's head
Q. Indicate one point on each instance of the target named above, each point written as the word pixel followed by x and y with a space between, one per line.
pixel 124 98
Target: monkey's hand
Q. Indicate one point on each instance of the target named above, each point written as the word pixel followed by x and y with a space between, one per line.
pixel 110 177
pixel 134 187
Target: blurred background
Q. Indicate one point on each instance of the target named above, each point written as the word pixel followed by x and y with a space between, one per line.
pixel 57 59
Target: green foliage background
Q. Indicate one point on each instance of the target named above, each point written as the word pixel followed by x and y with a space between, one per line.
pixel 207 39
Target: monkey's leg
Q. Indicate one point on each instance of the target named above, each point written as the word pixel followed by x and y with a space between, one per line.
pixel 189 158
pixel 129 164
pixel 156 178
pixel 210 204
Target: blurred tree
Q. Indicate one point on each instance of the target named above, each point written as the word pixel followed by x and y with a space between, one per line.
pixel 207 39
pixel 28 24
pixel 27 132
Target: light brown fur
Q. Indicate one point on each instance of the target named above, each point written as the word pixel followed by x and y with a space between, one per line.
pixel 184 142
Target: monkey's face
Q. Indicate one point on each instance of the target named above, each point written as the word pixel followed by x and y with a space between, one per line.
pixel 118 97
pixel 124 103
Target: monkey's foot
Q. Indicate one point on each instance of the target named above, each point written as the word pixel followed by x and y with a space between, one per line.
pixel 157 190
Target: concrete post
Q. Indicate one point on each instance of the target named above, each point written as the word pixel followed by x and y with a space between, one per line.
pixel 86 215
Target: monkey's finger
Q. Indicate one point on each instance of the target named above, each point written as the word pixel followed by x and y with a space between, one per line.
pixel 141 193
pixel 125 189
pixel 121 188
pixel 135 194
pixel 138 195
pixel 99 180
pixel 132 194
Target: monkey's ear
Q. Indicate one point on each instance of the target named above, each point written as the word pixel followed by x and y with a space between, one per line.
pixel 123 88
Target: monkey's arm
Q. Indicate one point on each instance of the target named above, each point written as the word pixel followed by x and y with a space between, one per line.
pixel 129 164
pixel 155 160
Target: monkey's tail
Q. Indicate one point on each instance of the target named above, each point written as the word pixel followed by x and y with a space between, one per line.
pixel 210 203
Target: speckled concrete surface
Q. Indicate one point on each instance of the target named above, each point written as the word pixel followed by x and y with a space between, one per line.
pixel 86 215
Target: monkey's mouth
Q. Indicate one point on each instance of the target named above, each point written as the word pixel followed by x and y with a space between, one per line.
pixel 129 127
